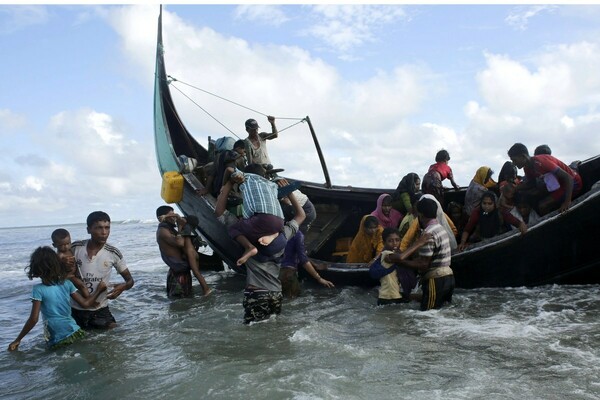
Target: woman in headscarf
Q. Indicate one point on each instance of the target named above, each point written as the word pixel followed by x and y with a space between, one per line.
pixel 481 182
pixel 387 216
pixel 487 221
pixel 403 196
pixel 413 231
pixel 367 243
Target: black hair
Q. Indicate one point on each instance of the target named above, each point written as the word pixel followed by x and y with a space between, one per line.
pixel 59 234
pixel 163 210
pixel 371 220
pixel 542 149
pixel 45 264
pixel 518 149
pixel 389 231
pixel 97 216
pixel 239 144
pixel 442 155
pixel 427 207
pixel 508 172
pixel 489 194
pixel 256 169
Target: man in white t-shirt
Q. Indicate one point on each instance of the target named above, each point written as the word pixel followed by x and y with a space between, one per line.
pixel 95 260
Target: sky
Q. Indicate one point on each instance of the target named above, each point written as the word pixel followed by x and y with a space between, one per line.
pixel 385 86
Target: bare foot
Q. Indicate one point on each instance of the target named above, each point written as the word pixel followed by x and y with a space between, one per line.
pixel 249 253
pixel 207 292
pixel 266 240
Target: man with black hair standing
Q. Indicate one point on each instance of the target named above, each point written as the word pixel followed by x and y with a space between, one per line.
pixel 256 143
pixel 434 258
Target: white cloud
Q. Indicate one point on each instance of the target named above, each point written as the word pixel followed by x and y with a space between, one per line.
pixel 32 182
pixel 263 13
pixel 345 27
pixel 10 121
pixel 16 18
pixel 520 16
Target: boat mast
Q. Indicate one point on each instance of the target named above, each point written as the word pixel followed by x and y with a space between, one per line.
pixel 321 158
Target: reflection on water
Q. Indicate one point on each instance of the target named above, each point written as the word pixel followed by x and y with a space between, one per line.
pixel 330 343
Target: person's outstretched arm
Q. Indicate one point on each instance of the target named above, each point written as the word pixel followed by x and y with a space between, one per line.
pixel 31 322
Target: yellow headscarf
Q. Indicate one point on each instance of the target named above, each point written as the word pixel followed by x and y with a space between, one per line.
pixel 365 247
pixel 481 174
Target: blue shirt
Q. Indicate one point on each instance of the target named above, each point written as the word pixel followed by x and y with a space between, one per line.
pixel 260 196
pixel 56 310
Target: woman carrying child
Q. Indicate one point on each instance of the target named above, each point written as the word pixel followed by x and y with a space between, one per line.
pixel 52 298
pixel 481 182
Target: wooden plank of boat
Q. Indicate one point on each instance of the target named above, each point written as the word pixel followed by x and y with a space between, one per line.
pixel 560 249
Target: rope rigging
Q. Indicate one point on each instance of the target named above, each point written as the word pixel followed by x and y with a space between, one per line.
pixel 171 80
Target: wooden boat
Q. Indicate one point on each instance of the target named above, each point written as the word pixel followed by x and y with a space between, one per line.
pixel 560 249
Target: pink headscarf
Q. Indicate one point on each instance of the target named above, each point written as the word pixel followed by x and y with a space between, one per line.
pixel 387 222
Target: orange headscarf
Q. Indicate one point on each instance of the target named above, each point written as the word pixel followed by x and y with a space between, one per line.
pixel 365 247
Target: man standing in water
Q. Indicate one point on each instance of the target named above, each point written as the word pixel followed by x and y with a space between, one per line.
pixel 262 295
pixel 95 259
pixel 256 143
pixel 178 252
pixel 433 259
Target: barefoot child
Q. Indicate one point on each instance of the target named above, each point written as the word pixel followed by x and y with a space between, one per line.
pixel 262 214
pixel 51 297
pixel 61 241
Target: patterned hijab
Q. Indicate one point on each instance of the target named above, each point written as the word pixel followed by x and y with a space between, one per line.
pixel 365 247
pixel 391 221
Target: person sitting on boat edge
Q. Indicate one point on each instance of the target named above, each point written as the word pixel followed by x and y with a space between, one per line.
pixel 262 214
pixel 52 297
pixel 385 214
pixel 367 243
pixel 256 143
pixel 487 221
pixel 391 281
pixel 403 196
pixel 562 183
pixel 262 294
pixel 174 236
pixel 434 259
pixel 95 258
pixel 437 173
pixel 481 182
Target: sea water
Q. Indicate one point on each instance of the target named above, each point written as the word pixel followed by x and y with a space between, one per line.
pixel 515 343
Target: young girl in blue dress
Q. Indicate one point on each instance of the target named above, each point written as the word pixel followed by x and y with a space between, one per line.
pixel 52 298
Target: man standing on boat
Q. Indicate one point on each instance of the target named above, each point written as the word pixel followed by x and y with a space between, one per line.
pixel 561 182
pixel 256 143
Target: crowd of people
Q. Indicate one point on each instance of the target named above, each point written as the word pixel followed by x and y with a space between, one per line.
pixel 390 239
pixel 407 241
